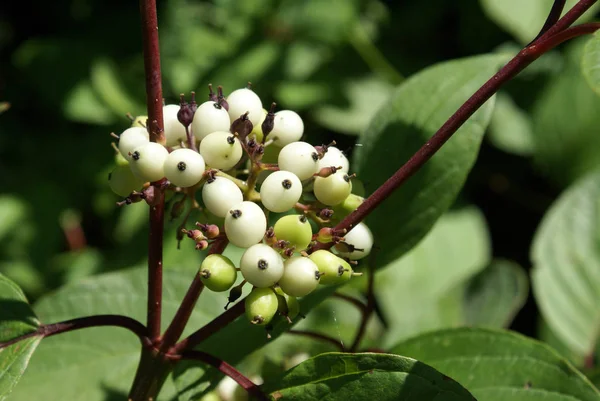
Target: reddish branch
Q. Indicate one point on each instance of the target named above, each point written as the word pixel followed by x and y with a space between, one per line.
pixel 227 369
pixel 320 337
pixel 49 330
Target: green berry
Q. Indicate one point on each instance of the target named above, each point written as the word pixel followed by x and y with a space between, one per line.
pixel 295 229
pixel 334 189
pixel 218 273
pixel 261 306
pixel 140 121
pixel 123 182
pixel 335 270
pixel 287 304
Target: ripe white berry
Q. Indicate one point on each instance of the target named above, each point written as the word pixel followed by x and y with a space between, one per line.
pixel 245 100
pixel 300 158
pixel 287 128
pixel 335 157
pixel 209 117
pixel 359 240
pixel 261 265
pixel 220 195
pixel 300 276
pixel 221 150
pixel 123 182
pixel 280 191
pixel 147 161
pixel 184 167
pixel 132 138
pixel 174 130
pixel 334 189
pixel 245 224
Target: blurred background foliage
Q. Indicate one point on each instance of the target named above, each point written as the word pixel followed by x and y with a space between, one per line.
pixel 72 69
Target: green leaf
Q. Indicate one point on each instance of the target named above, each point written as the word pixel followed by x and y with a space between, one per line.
pixel 16 318
pixel 499 365
pixel 566 265
pixel 414 113
pixel 590 63
pixel 106 83
pixel 495 295
pixel 566 119
pixel 418 292
pixel 98 360
pixel 82 104
pixel 524 19
pixel 337 376
pixel 511 128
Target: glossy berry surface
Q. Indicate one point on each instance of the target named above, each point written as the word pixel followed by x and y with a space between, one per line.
pixel 218 273
pixel 294 229
pixel 335 269
pixel 261 265
pixel 334 189
pixel 245 224
pixel 147 161
pixel 280 191
pixel 132 138
pixel 184 167
pixel 300 276
pixel 261 306
pixel 220 194
pixel 221 150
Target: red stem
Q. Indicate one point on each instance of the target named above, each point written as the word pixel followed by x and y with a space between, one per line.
pixel 49 330
pixel 228 370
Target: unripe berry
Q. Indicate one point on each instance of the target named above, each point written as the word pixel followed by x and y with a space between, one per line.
pixel 288 127
pixel 184 167
pixel 261 265
pixel 132 138
pixel 140 121
pixel 300 158
pixel 350 204
pixel 221 150
pixel 357 242
pixel 123 182
pixel 334 189
pixel 335 157
pixel 218 273
pixel 288 305
pixel 335 269
pixel 294 229
pixel 245 224
pixel 280 191
pixel 261 306
pixel 300 276
pixel 209 118
pixel 220 195
pixel 174 130
pixel 245 100
pixel 147 161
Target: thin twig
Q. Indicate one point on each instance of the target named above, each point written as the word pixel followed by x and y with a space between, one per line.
pixel 553 16
pixel 525 57
pixel 182 316
pixel 48 330
pixel 228 370
pixel 320 337
pixel 356 302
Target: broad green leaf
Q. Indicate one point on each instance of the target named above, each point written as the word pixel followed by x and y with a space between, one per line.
pixel 511 128
pixel 414 113
pixel 99 361
pixel 566 119
pixel 566 265
pixel 16 318
pixel 497 365
pixel 524 19
pixel 495 295
pixel 590 62
pixel 367 376
pixel 420 291
pixel 365 97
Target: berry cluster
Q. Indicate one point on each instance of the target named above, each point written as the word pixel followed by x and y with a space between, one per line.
pixel 245 163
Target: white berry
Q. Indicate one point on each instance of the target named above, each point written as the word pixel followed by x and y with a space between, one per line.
pixel 280 191
pixel 184 167
pixel 220 195
pixel 209 118
pixel 287 128
pixel 300 276
pixel 147 161
pixel 221 150
pixel 174 130
pixel 245 100
pixel 336 158
pixel 334 189
pixel 261 265
pixel 359 240
pixel 245 224
pixel 300 158
pixel 132 138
